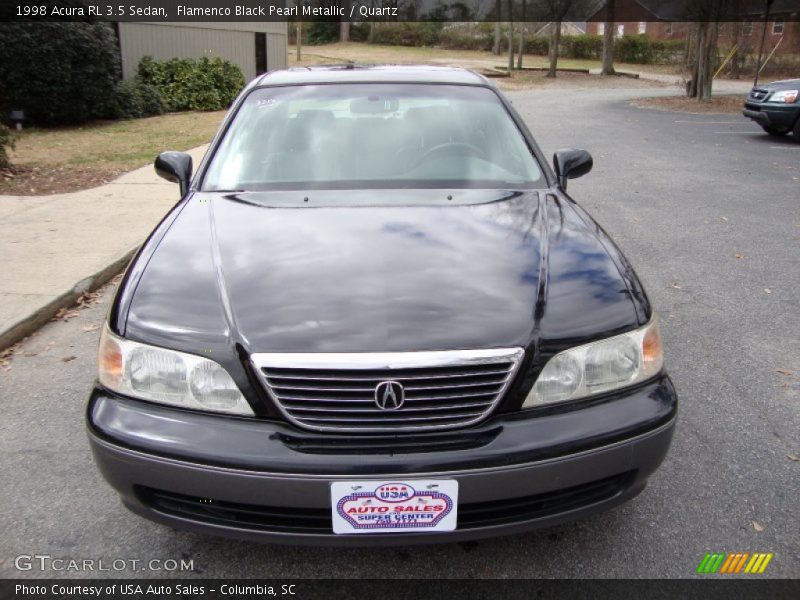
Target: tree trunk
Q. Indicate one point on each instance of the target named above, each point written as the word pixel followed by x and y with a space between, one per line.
pixel 497 11
pixel 736 58
pixel 555 40
pixel 510 44
pixel 298 34
pixel 344 26
pixel 521 36
pixel 691 87
pixel 710 63
pixel 608 41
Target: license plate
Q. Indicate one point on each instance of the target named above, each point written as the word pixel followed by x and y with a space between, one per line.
pixel 394 506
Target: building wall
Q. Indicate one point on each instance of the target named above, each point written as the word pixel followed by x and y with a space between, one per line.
pixel 655 30
pixel 749 36
pixel 231 41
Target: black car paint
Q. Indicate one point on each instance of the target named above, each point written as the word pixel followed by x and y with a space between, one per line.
pixel 221 276
pixel 225 275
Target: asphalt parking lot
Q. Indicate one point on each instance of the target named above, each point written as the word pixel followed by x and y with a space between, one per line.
pixel 705 207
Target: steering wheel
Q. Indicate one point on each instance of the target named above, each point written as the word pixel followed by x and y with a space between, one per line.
pixel 472 150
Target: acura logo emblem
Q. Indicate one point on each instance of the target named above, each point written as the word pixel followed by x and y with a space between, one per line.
pixel 389 395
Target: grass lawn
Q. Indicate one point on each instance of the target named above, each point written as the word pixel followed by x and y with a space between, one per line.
pixel 374 53
pixel 72 158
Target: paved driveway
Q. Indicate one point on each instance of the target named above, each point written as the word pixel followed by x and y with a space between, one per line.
pixel 706 207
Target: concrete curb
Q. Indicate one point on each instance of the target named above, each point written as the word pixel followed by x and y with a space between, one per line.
pixel 44 313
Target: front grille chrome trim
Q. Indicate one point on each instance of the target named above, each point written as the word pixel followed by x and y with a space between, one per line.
pixel 429 406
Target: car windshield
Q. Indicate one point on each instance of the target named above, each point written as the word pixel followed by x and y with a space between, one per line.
pixel 354 136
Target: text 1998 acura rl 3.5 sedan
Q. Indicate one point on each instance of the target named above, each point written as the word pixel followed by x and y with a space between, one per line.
pixel 376 317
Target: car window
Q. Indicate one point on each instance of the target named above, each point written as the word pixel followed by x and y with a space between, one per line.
pixel 355 136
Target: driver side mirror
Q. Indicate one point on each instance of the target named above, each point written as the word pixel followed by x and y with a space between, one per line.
pixel 175 167
pixel 570 163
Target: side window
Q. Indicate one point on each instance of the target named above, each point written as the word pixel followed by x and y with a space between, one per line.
pixel 777 26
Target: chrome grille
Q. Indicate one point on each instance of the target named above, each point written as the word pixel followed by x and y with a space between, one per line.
pixel 337 392
pixel 758 93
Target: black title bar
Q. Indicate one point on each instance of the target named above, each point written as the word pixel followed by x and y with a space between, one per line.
pixel 397 10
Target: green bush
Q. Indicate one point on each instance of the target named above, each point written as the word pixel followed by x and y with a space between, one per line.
pixel 321 32
pixel 408 33
pixel 58 72
pixel 583 46
pixel 189 84
pixel 135 99
pixel 6 144
pixel 634 49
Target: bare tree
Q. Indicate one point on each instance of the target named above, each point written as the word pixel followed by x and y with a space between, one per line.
pixel 736 51
pixel 522 35
pixel 510 5
pixel 708 14
pixel 608 40
pixel 497 10
pixel 298 34
pixel 556 11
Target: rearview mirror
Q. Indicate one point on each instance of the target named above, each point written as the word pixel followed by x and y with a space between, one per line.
pixel 175 167
pixel 570 163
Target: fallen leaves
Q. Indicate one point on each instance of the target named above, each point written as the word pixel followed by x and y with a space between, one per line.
pixel 739 256
pixel 91 327
pixel 675 285
pixel 767 291
pixel 65 314
pixel 784 371
pixel 68 358
pixel 793 457
pixel 758 526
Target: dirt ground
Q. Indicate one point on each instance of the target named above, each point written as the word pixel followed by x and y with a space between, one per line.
pixel 728 104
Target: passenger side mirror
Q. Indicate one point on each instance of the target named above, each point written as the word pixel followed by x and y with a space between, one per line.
pixel 570 163
pixel 175 167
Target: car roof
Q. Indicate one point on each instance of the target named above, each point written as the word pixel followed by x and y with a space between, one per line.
pixel 355 73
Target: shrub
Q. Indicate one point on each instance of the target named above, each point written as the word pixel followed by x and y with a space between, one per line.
pixel 321 32
pixel 583 46
pixel 58 72
pixel 6 144
pixel 189 84
pixel 634 49
pixel 407 33
pixel 135 99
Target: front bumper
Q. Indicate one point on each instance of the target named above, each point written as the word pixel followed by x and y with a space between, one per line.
pixel 266 481
pixel 779 116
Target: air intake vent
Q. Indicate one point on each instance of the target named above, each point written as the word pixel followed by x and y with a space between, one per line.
pixel 388 392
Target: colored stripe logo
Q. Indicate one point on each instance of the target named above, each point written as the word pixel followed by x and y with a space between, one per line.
pixel 735 562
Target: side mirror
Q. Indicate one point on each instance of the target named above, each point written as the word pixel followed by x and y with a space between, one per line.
pixel 570 163
pixel 175 167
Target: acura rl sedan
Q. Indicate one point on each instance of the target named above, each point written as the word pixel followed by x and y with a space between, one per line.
pixel 376 317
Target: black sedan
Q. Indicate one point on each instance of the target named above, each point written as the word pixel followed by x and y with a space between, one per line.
pixel 376 317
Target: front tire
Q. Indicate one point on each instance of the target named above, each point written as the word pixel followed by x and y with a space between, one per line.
pixel 776 132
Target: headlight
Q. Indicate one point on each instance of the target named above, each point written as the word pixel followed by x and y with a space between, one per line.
pixel 599 367
pixel 787 96
pixel 167 376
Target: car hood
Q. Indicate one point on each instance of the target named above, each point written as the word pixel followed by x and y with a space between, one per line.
pixel 276 274
pixel 784 84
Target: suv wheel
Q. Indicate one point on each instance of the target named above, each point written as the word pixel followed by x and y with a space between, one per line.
pixel 777 132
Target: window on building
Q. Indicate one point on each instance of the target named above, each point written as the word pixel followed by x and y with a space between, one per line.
pixel 601 28
pixel 642 27
pixel 777 26
pixel 620 30
pixel 747 28
pixel 668 29
pixel 261 53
